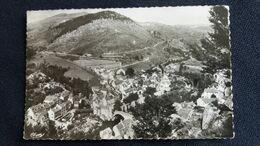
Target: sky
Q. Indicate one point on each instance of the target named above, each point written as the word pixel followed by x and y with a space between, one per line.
pixel 186 15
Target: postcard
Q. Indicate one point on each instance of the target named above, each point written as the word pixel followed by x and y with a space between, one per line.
pixel 129 73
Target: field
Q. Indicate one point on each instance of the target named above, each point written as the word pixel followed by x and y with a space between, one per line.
pixel 93 63
pixel 74 71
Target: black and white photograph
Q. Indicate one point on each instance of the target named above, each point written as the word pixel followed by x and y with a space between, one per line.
pixel 129 73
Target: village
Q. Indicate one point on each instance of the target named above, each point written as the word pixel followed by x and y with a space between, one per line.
pixel 120 92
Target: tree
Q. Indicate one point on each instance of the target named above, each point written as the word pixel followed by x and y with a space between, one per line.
pixel 219 20
pixel 150 91
pixel 77 85
pixel 117 105
pixel 53 132
pixel 130 72
pixel 30 53
pixel 216 45
pixel 131 97
pixel 196 51
pixel 153 118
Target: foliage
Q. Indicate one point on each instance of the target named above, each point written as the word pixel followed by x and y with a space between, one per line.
pixel 74 23
pixel 227 130
pixel 117 105
pixel 54 90
pixel 57 73
pixel 130 72
pixel 219 20
pixel 33 98
pixel 196 52
pixel 131 97
pixel 54 71
pixel 80 86
pixel 216 45
pixel 53 131
pixel 153 118
pixel 30 53
pixel 150 91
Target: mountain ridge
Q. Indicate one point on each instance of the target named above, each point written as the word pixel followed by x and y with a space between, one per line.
pixel 109 32
pixel 50 37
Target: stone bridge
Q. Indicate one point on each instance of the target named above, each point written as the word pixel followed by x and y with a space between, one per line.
pixel 123 114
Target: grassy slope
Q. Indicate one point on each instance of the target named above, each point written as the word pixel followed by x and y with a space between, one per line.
pixel 74 71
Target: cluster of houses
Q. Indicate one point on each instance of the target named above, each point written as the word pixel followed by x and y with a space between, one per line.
pixel 205 114
pixel 122 86
pixel 219 91
pixel 53 108
pixel 115 85
pixel 186 111
pixel 37 114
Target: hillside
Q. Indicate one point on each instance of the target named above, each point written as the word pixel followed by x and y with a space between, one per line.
pixel 74 71
pixel 103 36
pixel 141 44
pixel 188 33
pixel 95 33
pixel 37 32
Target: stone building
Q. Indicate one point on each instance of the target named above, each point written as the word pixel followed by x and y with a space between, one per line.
pixel 59 110
pixel 37 114
pixel 102 104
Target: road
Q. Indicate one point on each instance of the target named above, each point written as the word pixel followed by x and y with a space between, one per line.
pixel 134 51
pixel 134 63
pixel 124 66
pixel 75 55
pixel 58 53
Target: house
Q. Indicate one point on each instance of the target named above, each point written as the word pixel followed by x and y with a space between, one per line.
pixel 65 95
pixel 184 110
pixel 191 66
pixel 185 113
pixel 208 92
pixel 76 104
pixel 59 111
pixel 54 113
pixel 39 75
pixel 194 132
pixel 129 90
pixel 123 130
pixel 209 115
pixel 120 72
pixel 106 112
pixel 172 68
pixel 163 86
pixel 141 99
pixel 126 84
pixel 51 99
pixel 219 77
pixel 203 102
pixel 106 133
pixel 154 78
pixel 37 114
